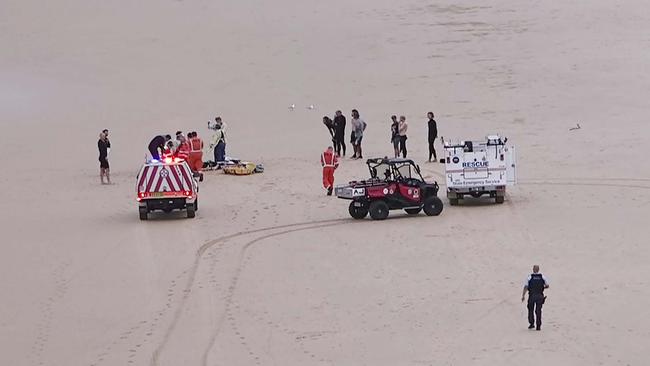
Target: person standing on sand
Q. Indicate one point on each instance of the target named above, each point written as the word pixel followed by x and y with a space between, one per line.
pixel 104 169
pixel 339 133
pixel 433 135
pixel 196 153
pixel 358 127
pixel 218 142
pixel 402 128
pixel 535 284
pixel 329 161
pixel 394 135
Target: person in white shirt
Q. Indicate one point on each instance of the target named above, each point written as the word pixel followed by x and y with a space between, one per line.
pixel 218 140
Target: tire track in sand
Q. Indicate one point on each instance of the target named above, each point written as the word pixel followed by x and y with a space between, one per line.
pixel 289 228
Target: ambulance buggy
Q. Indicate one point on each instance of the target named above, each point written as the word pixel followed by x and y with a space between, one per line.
pixel 166 185
pixel 477 168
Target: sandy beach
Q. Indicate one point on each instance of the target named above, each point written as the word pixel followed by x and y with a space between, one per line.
pixel 274 272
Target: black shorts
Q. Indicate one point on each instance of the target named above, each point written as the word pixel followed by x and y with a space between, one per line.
pixel 103 163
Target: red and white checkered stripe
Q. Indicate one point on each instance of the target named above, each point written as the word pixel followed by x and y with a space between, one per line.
pixel 164 178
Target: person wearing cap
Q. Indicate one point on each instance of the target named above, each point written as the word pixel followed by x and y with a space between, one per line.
pixel 329 161
pixel 535 285
pixel 104 169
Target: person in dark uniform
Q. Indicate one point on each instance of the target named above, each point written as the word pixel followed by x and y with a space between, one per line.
pixel 433 135
pixel 157 146
pixel 104 169
pixel 339 133
pixel 535 284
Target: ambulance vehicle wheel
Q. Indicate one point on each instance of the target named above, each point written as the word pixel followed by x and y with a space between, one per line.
pixel 499 199
pixel 144 213
pixel 190 211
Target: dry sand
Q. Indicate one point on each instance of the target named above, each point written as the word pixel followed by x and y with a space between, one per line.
pixel 273 272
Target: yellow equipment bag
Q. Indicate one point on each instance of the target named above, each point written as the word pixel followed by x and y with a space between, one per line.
pixel 243 168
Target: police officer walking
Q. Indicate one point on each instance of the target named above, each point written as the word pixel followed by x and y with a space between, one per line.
pixel 535 285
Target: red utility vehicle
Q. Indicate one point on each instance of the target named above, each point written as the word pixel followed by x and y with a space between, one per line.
pixel 394 184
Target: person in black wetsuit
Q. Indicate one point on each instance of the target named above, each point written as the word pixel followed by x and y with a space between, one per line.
pixel 433 135
pixel 157 146
pixel 104 169
pixel 330 127
pixel 535 285
pixel 394 135
pixel 339 133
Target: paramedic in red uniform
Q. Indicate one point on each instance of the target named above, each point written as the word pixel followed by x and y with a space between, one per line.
pixel 196 154
pixel 183 151
pixel 329 161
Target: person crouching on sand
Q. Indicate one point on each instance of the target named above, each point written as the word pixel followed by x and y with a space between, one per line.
pixel 329 161
pixel 104 169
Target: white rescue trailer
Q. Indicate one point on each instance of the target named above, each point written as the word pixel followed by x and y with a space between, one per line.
pixel 477 168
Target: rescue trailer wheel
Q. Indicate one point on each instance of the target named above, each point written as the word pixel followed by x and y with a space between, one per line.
pixel 144 213
pixel 432 206
pixel 499 199
pixel 413 211
pixel 196 204
pixel 358 212
pixel 378 210
pixel 190 211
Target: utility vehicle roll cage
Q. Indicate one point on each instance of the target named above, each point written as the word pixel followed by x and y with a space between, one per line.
pixel 395 169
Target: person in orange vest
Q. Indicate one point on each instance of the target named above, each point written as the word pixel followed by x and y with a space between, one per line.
pixel 183 150
pixel 196 154
pixel 329 161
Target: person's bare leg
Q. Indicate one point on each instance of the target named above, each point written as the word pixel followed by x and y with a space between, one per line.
pixel 101 175
pixel 108 175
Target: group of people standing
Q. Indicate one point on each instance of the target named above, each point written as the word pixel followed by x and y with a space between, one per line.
pixel 336 128
pixel 398 136
pixel 398 130
pixel 189 148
